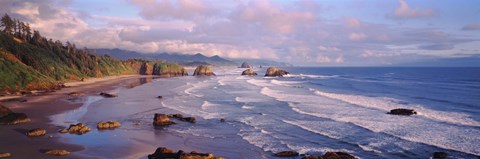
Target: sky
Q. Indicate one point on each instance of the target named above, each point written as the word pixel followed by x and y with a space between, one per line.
pixel 300 32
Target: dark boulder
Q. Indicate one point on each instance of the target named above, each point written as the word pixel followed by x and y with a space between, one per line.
pixel 189 119
pixel 245 65
pixel 36 132
pixel 440 155
pixel 59 152
pixel 274 72
pixel 287 154
pixel 7 117
pixel 160 97
pixel 332 155
pixel 78 129
pixel 162 120
pixel 108 125
pixel 164 153
pixel 108 95
pixel 402 112
pixel 203 70
pixel 249 72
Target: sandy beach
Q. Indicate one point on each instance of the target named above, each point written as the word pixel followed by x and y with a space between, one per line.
pixel 40 107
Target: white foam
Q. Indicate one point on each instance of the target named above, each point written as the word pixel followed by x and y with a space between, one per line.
pixel 411 128
pixel 260 83
pixel 387 104
pixel 285 83
pixel 247 107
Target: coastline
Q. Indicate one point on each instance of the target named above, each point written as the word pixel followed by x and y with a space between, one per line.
pixel 40 107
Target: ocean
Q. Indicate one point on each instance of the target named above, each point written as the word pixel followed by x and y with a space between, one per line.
pixel 313 110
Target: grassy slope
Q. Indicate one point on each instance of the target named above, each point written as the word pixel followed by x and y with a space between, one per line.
pixel 27 66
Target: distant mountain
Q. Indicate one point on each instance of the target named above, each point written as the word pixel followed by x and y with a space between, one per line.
pixel 262 62
pixel 182 59
pixel 471 61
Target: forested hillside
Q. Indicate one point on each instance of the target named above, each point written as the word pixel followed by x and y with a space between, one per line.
pixel 29 60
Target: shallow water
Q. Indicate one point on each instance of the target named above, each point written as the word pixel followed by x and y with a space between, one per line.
pixel 312 111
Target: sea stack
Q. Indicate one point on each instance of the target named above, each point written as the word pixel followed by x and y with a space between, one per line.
pixel 245 65
pixel 273 72
pixel 204 70
pixel 249 72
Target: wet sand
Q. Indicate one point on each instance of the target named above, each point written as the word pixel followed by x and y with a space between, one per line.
pixel 39 108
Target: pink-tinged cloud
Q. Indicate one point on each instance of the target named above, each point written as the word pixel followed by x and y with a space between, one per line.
pixel 352 22
pixel 404 11
pixel 357 36
pixel 470 27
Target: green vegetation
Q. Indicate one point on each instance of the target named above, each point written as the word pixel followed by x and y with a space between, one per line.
pixel 30 61
pixel 168 69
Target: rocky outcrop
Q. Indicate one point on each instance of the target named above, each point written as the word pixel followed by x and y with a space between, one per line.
pixel 162 120
pixel 287 154
pixel 204 70
pixel 5 155
pixel 108 125
pixel 169 70
pixel 245 65
pixel 180 117
pixel 332 155
pixel 108 95
pixel 164 153
pixel 59 152
pixel 36 132
pixel 249 72
pixel 440 155
pixel 146 69
pixel 402 111
pixel 78 129
pixel 7 117
pixel 274 72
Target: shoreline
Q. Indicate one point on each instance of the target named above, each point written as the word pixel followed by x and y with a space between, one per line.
pixel 39 108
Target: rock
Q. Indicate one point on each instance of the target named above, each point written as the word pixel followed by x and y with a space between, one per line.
pixel 63 131
pixel 36 132
pixel 245 65
pixel 204 70
pixel 4 111
pixel 108 125
pixel 164 153
pixel 440 155
pixel 335 155
pixel 178 116
pixel 287 154
pixel 76 94
pixel 5 155
pixel 108 95
pixel 59 152
pixel 162 120
pixel 160 97
pixel 78 129
pixel 273 72
pixel 7 117
pixel 222 120
pixel 189 119
pixel 249 72
pixel 402 112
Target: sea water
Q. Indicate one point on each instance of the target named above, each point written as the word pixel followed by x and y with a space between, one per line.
pixel 311 111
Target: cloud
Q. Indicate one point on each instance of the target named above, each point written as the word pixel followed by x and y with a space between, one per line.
pixel 470 27
pixel 352 22
pixel 404 11
pixel 437 47
pixel 357 36
pixel 169 9
pixel 290 31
